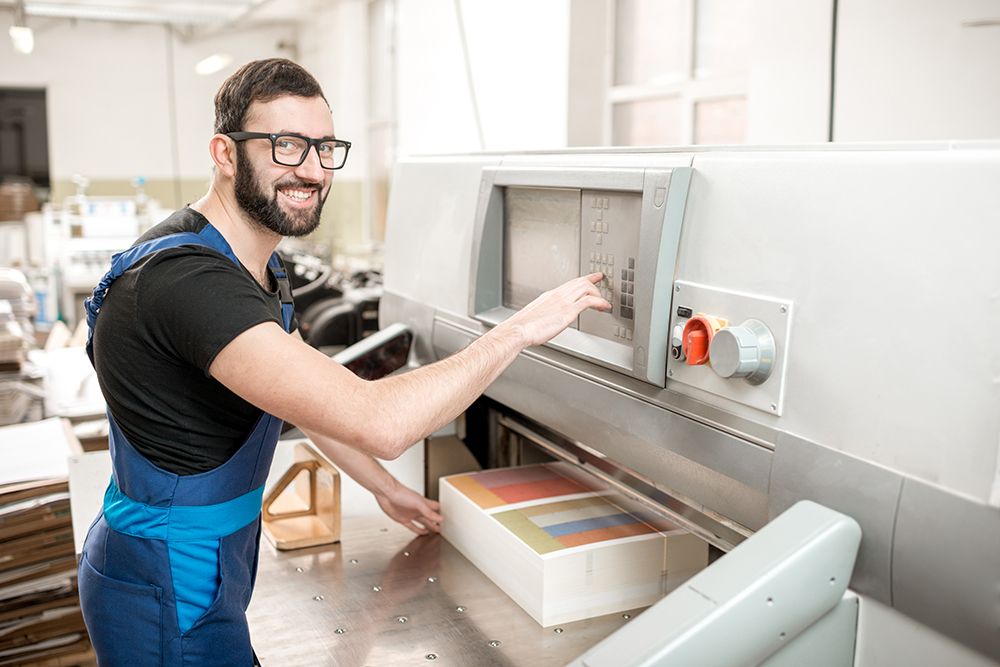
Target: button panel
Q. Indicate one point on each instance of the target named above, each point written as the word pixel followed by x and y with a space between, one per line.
pixel 610 231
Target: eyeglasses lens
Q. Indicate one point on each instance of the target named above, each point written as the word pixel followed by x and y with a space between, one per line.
pixel 290 150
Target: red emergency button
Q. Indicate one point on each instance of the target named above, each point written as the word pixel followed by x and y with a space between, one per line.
pixel 697 337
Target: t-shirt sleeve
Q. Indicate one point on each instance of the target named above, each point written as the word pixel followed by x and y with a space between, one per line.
pixel 195 302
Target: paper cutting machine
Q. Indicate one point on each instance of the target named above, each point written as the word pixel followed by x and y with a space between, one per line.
pixel 816 324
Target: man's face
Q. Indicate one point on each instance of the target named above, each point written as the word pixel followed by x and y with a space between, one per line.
pixel 285 200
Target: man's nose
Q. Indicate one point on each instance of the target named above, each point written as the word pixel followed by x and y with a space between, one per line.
pixel 310 169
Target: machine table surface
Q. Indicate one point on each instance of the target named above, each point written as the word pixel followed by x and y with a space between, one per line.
pixel 383 596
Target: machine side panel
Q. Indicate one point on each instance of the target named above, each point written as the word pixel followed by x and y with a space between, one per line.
pixel 429 229
pixel 419 317
pixel 889 257
pixel 946 565
pixel 802 470
pixel 886 637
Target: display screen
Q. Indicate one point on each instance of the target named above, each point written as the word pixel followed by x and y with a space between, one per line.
pixel 541 242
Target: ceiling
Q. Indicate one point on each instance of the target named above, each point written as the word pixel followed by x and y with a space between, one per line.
pixel 190 13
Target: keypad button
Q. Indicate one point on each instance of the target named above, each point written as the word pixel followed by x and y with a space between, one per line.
pixel 631 262
pixel 630 303
pixel 611 259
pixel 631 288
pixel 624 274
pixel 628 334
pixel 617 329
pixel 624 300
pixel 631 273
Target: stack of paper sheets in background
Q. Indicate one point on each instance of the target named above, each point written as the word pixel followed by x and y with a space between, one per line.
pixel 40 619
pixel 561 544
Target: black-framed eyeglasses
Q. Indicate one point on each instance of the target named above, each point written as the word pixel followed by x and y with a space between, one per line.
pixel 290 150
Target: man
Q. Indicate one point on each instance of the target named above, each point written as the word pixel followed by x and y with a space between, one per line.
pixel 199 359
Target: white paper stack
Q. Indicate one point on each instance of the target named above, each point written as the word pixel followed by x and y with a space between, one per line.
pixel 562 545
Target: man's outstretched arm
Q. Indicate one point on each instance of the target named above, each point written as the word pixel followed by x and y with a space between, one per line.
pixel 285 377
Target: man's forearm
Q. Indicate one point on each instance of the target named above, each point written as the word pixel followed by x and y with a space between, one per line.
pixel 443 390
pixel 362 468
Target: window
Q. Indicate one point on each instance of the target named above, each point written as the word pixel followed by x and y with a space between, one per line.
pixel 680 72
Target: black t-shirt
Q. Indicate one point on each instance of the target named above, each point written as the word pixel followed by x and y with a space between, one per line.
pixel 161 325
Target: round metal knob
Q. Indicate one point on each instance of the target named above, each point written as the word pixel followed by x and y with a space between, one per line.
pixel 746 351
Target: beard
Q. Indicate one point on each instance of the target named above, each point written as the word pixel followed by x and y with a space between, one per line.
pixel 262 206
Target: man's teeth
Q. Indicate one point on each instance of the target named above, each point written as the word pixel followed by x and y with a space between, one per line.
pixel 297 195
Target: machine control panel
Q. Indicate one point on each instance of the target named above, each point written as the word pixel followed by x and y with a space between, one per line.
pixel 537 228
pixel 745 362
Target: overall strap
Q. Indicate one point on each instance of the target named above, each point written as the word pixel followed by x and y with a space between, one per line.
pixel 209 237
pixel 284 289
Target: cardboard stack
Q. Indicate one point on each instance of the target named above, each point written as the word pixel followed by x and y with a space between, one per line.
pixel 40 619
pixel 16 199
pixel 563 545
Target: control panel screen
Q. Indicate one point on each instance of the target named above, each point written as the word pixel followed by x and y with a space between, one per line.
pixel 552 235
pixel 541 242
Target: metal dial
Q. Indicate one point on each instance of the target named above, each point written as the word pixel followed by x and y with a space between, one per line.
pixel 747 351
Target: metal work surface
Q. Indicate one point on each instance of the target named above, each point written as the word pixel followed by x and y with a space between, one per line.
pixel 383 596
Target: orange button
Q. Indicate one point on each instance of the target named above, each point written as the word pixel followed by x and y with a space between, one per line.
pixel 697 337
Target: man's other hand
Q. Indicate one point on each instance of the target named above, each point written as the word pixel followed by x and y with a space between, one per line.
pixel 411 509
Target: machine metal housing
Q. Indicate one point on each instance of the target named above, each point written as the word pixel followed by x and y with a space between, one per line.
pixel 884 395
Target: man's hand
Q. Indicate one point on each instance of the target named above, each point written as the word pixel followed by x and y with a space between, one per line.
pixel 556 309
pixel 411 509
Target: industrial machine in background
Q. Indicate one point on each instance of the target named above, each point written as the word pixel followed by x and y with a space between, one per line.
pixel 335 309
pixel 86 232
pixel 802 343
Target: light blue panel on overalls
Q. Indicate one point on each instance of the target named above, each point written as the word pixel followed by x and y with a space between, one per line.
pixel 167 568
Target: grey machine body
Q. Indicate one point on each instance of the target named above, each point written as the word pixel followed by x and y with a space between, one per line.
pixel 861 446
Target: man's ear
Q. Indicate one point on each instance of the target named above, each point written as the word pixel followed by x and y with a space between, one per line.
pixel 223 152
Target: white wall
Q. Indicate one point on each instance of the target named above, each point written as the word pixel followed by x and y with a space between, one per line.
pixel 107 94
pixel 909 70
pixel 906 69
pixel 788 96
pixel 332 47
pixel 519 56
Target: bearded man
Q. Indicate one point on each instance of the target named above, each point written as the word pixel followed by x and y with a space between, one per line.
pixel 200 361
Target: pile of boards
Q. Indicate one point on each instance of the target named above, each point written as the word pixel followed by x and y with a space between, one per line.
pixel 40 620
pixel 564 545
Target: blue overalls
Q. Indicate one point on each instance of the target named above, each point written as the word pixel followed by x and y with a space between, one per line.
pixel 168 567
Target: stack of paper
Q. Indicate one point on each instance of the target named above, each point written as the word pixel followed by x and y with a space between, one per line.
pixel 40 619
pixel 562 544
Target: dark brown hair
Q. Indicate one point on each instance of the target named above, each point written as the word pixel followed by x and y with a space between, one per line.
pixel 260 81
